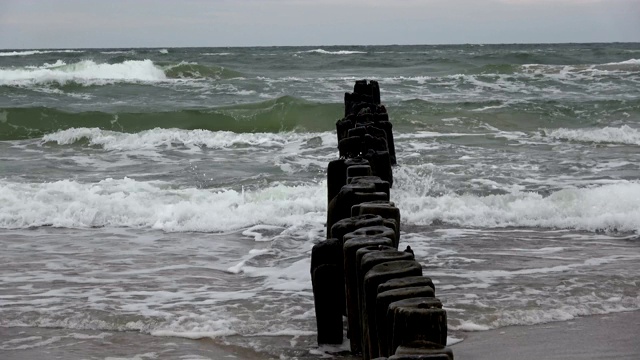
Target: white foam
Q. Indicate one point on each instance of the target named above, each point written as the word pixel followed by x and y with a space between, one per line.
pixel 540 316
pixel 236 269
pixel 193 139
pixel 36 52
pixel 36 344
pixel 485 108
pixel 117 52
pixel 611 135
pixel 85 72
pixel 286 332
pixel 325 350
pixel 491 276
pixel 292 278
pixel 262 232
pixel 610 206
pixel 431 134
pixel 469 326
pixel 21 340
pixel 421 80
pixel 139 204
pixel 626 62
pixel 337 52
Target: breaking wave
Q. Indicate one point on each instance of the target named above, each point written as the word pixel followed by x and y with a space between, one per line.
pixel 37 52
pixel 608 135
pixel 153 204
pixel 91 73
pixel 84 72
pixel 337 52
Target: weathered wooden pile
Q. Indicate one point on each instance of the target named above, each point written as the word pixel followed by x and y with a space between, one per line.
pixel 358 271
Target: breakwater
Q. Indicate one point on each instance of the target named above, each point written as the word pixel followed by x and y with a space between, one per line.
pixel 359 271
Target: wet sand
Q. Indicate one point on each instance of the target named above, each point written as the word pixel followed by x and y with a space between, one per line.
pixel 27 343
pixel 612 336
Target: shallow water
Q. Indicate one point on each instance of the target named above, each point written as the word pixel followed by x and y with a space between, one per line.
pixel 256 295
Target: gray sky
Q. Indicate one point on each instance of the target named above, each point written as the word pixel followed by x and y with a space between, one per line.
pixel 168 23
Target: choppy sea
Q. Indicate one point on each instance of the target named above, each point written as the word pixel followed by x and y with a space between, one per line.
pixel 149 197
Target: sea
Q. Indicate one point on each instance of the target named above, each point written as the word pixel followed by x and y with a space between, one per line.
pixel 162 203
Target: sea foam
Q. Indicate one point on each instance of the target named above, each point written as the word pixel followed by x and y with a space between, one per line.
pixel 36 52
pixel 153 204
pixel 157 138
pixel 337 52
pixel 612 135
pixel 626 62
pixel 607 207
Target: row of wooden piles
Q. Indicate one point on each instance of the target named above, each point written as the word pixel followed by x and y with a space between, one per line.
pixel 358 271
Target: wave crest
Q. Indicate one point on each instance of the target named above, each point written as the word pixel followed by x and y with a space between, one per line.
pixel 36 52
pixel 327 52
pixel 608 207
pixel 151 139
pixel 154 204
pixel 195 71
pixel 85 72
pixel 609 135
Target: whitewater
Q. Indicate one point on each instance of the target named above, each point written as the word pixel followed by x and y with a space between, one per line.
pixel 166 199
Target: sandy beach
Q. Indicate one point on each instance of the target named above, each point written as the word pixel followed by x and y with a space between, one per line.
pixel 611 336
pixel 44 343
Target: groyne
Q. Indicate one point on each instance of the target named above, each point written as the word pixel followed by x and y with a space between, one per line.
pixel 359 271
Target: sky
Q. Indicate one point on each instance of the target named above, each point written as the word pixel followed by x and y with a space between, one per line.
pixel 29 24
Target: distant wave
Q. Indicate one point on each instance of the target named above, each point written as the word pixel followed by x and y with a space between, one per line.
pixel 116 52
pixel 337 52
pixel 90 73
pixel 627 62
pixel 611 135
pixel 218 54
pixel 627 67
pixel 157 138
pixel 271 116
pixel 631 67
pixel 35 52
pixel 85 72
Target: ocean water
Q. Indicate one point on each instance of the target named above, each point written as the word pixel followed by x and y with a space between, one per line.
pixel 158 203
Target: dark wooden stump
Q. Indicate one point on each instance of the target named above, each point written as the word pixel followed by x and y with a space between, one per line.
pixel 372 279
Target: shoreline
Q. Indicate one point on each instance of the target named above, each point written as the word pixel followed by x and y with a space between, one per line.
pixel 30 343
pixel 609 336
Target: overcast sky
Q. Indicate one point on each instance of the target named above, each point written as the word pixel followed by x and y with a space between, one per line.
pixel 168 23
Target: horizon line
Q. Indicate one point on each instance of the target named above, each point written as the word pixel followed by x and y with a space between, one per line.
pixel 325 45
